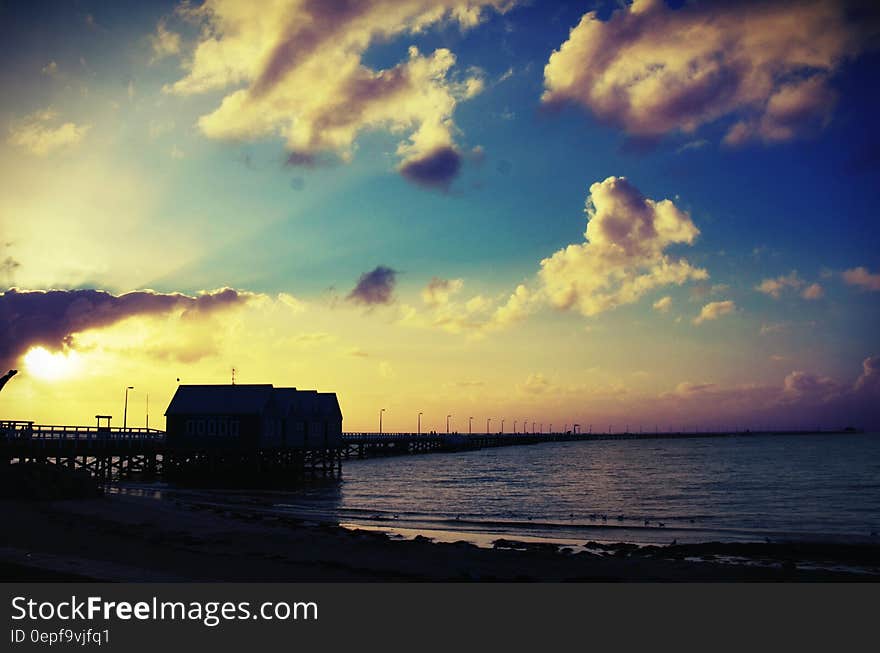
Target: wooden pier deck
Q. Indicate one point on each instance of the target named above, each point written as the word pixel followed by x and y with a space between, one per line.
pixel 118 453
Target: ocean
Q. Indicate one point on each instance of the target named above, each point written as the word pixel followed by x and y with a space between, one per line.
pixel 816 487
pixel 819 487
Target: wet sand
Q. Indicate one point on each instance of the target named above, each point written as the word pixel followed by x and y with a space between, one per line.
pixel 130 538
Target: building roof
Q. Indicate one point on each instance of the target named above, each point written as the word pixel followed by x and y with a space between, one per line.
pixel 220 399
pixel 252 400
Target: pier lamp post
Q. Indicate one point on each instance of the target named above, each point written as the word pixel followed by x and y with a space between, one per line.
pixel 420 424
pixel 470 423
pixel 502 426
pixel 525 425
pixel 382 410
pixel 488 419
pixel 447 424
pixel 550 430
pixel 125 411
pixel 514 426
pixel 533 428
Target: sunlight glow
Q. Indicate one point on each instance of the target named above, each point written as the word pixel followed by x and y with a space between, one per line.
pixel 49 366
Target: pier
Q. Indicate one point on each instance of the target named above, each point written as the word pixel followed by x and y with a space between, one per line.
pixel 112 454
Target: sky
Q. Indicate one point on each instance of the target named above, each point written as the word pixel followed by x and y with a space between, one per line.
pixel 622 215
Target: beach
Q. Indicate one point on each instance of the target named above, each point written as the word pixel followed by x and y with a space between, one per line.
pixel 144 538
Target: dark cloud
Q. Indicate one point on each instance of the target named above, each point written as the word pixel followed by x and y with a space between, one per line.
pixel 51 318
pixel 7 269
pixel 375 287
pixel 302 159
pixel 436 169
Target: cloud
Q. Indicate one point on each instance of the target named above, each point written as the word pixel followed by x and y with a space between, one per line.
pixel 869 380
pixel 294 69
pixel 624 255
pixel 861 277
pixel 692 145
pixel 438 291
pixel 8 266
pixel 807 386
pixel 536 384
pixel 714 310
pixel 40 134
pixel 687 389
pixel 436 169
pixel 804 399
pixel 652 70
pixel 51 318
pixel 813 291
pixel 663 304
pixel 164 42
pixel 375 287
pixel 774 287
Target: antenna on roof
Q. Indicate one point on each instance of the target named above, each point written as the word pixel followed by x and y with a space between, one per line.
pixel 233 376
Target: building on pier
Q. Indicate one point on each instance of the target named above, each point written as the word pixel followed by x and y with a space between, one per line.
pixel 252 417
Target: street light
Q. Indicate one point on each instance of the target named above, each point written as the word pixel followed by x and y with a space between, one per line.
pixel 380 420
pixel 447 424
pixel 502 426
pixel 488 419
pixel 514 426
pixel 420 424
pixel 125 412
pixel 533 428
pixel 470 422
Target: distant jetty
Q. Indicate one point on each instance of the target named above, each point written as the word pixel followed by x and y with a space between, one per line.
pixel 112 454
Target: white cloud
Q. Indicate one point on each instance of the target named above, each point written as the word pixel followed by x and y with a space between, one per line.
pixel 40 133
pixel 653 70
pixel 164 42
pixel 624 255
pixel 813 291
pixel 296 71
pixel 663 304
pixel 714 310
pixel 861 277
pixel 774 287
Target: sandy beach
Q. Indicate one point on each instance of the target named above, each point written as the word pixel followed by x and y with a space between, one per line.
pixel 133 538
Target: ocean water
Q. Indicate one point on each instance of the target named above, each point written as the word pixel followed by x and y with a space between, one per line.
pixel 813 487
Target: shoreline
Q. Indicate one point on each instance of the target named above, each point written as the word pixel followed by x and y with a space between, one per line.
pixel 141 539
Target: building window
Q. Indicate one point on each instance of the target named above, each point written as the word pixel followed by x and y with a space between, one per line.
pixel 200 427
pixel 223 428
pixel 233 428
pixel 190 427
pixel 212 427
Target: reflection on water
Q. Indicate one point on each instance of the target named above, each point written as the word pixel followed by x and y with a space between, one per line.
pixel 814 487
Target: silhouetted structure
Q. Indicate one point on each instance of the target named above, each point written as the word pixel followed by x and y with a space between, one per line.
pixel 5 378
pixel 252 431
pixel 253 417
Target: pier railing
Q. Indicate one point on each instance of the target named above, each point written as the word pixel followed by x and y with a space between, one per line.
pixel 18 431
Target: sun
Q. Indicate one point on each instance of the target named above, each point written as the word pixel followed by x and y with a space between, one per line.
pixel 49 366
